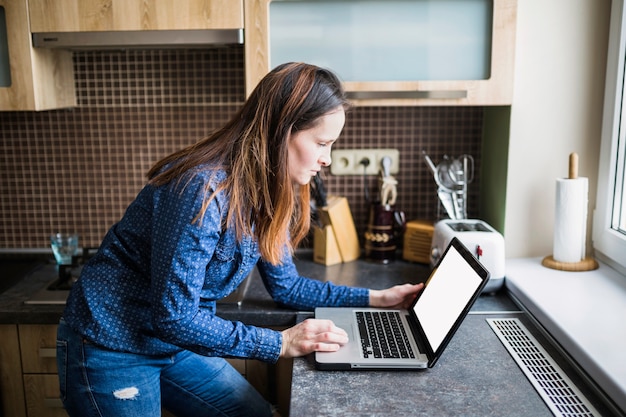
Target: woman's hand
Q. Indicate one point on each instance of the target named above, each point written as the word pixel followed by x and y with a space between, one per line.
pixel 312 335
pixel 399 296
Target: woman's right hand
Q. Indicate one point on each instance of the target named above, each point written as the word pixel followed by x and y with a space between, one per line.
pixel 312 335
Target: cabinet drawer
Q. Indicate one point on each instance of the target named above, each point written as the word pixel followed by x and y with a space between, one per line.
pixel 42 396
pixel 38 348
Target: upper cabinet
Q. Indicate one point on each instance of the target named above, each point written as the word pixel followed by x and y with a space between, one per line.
pixel 395 52
pixel 30 78
pixel 41 78
pixel 123 15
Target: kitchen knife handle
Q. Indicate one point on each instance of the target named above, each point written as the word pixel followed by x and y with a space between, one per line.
pixel 320 191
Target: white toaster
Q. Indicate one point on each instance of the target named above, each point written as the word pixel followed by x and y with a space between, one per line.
pixel 486 243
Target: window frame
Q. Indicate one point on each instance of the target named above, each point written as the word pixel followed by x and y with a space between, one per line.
pixel 610 244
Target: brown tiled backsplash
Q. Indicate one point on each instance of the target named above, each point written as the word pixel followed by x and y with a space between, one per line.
pixel 77 169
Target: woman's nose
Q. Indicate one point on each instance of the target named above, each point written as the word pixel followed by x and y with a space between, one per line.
pixel 325 159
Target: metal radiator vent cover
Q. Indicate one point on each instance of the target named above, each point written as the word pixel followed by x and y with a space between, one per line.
pixel 555 388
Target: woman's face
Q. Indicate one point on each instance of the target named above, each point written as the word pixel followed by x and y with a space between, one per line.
pixel 309 150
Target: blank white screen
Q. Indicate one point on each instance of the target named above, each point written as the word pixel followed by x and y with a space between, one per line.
pixel 451 286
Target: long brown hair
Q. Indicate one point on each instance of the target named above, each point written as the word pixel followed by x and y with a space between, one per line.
pixel 252 149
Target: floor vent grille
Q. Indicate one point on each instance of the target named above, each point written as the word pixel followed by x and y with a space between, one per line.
pixel 555 388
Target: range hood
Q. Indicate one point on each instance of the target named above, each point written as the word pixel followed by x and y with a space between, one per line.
pixel 148 39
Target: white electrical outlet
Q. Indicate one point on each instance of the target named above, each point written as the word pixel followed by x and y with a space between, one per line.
pixel 348 161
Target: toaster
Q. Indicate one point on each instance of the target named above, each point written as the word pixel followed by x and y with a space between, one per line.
pixel 485 243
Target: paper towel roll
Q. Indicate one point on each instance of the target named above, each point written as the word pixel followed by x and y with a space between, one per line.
pixel 570 219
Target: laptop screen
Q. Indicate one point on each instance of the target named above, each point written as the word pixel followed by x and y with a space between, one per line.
pixel 448 291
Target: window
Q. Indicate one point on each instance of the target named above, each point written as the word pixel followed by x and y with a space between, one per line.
pixel 609 228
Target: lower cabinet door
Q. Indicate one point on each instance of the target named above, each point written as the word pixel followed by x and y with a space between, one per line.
pixel 42 396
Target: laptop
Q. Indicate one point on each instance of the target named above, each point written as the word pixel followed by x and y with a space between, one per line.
pixel 419 334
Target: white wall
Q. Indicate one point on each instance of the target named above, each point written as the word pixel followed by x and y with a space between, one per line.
pixel 557 109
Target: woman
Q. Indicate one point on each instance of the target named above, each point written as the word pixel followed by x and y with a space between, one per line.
pixel 140 330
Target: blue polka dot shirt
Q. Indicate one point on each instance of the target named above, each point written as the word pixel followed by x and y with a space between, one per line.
pixel 151 288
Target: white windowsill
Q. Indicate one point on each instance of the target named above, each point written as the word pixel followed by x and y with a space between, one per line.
pixel 584 311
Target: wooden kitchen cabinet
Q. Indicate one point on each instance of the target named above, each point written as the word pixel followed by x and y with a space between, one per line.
pixel 42 396
pixel 12 401
pixel 126 15
pixel 29 385
pixel 37 79
pixel 39 369
pixel 340 24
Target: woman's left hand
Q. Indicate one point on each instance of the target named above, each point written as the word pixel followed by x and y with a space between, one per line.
pixel 399 296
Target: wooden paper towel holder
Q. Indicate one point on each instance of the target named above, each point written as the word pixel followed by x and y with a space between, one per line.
pixel 588 263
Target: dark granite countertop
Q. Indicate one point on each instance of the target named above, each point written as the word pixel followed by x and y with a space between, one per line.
pixel 475 376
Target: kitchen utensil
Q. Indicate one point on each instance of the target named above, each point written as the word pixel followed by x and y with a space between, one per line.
pixel 385 164
pixel 452 177
pixel 388 189
pixel 445 196
pixel 447 173
pixel 461 172
pixel 443 192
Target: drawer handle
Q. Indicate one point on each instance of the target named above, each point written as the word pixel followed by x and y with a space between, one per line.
pixel 423 94
pixel 53 403
pixel 47 352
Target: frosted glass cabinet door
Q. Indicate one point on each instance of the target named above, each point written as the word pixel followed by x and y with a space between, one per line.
pixel 393 52
pixel 424 39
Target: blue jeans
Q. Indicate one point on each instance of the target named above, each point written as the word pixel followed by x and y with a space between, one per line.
pixel 98 382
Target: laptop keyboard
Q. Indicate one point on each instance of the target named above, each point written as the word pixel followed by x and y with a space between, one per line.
pixel 383 335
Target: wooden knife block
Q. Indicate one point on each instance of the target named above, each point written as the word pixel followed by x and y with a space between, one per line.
pixel 337 240
pixel 325 249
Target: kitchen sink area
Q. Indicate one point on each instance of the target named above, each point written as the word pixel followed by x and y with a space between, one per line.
pixel 14 272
